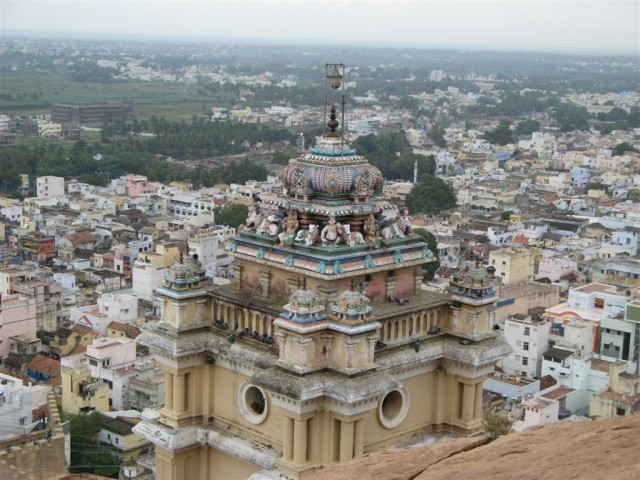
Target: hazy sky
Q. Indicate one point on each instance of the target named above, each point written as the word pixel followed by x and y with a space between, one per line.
pixel 610 26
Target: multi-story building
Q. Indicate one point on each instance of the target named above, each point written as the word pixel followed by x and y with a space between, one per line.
pixel 528 335
pixel 89 113
pixel 49 186
pixel 108 361
pixel 81 393
pixel 577 322
pixel 620 397
pixel 512 264
pixel 146 386
pixel 362 358
pixel 17 403
pixel 17 317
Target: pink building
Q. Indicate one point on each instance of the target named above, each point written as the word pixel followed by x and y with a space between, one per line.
pixel 606 163
pixel 17 316
pixel 555 268
pixel 137 185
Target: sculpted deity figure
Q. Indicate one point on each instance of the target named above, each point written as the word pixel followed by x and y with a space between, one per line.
pixel 254 219
pixel 330 233
pixel 290 227
pixel 370 228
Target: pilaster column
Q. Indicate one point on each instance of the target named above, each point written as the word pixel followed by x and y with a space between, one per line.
pixel 265 277
pixel 358 439
pixel 302 347
pixel 287 440
pixel 178 308
pixel 346 441
pixel 441 376
pixel 168 391
pixel 455 312
pixel 178 393
pixel 281 338
pixel 492 318
pixel 200 304
pixel 371 350
pixel 391 286
pixel 237 274
pixel 477 411
pixel 300 441
pixel 468 401
pixel 474 317
pixel 351 345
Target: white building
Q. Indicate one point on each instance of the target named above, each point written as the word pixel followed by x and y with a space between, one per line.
pixel 529 337
pixel 122 308
pixel 17 403
pixel 49 186
pixel 146 278
pixel 111 360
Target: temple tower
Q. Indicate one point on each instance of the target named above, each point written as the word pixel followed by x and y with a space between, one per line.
pixel 324 347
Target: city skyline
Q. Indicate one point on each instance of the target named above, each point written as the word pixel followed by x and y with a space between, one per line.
pixel 570 26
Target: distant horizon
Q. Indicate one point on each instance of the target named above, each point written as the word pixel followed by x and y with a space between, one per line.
pixel 300 42
pixel 592 27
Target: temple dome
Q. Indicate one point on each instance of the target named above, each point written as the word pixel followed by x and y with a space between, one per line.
pixel 351 305
pixel 185 272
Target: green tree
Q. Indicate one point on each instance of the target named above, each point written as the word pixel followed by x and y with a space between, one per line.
pixel 87 455
pixel 623 147
pixel 233 215
pixel 527 127
pixel 432 242
pixel 431 196
pixel 282 158
pixel 502 135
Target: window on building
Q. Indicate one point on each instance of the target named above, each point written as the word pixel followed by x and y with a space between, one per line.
pixel 524 374
pixel 525 360
pixel 93 362
pixel 106 362
pixel 620 411
pixel 525 346
pixel 23 420
pixel 527 331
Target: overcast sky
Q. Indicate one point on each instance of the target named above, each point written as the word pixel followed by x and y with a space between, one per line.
pixel 600 26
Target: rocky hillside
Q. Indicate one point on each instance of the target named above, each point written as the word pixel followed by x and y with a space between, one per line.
pixel 564 450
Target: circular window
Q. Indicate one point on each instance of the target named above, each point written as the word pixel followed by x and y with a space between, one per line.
pixel 393 408
pixel 253 403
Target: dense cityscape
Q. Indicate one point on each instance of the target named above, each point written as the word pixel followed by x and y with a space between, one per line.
pixel 230 260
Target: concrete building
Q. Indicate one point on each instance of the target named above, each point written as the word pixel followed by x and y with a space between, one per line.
pixel 81 393
pixel 49 186
pixel 576 323
pixel 620 397
pixel 108 361
pixel 512 264
pixel 17 403
pixel 146 386
pixel 340 370
pixel 528 335
pixel 17 317
pixel 95 113
pixel 117 434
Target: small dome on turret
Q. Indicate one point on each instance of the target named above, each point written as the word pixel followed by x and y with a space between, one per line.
pixel 474 281
pixel 304 302
pixel 185 272
pixel 352 305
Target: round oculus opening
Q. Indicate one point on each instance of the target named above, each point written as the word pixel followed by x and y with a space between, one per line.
pixel 393 408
